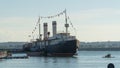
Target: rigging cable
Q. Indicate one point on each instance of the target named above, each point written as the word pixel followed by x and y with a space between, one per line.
pixel 48 17
pixel 72 25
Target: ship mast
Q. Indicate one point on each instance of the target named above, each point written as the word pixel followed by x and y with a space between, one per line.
pixel 39 29
pixel 66 24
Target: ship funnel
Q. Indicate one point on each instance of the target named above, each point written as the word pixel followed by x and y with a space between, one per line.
pixel 45 25
pixel 54 27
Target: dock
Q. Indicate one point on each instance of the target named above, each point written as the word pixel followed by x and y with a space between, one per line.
pixel 15 57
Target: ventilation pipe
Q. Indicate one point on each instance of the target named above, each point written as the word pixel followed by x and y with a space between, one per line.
pixel 45 25
pixel 54 27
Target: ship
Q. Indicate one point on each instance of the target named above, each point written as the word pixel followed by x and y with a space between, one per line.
pixel 59 44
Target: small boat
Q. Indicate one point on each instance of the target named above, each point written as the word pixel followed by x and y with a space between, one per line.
pixel 108 56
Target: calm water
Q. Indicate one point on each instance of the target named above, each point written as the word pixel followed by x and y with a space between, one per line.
pixel 85 59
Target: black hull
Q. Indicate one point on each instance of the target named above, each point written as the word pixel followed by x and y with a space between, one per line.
pixel 65 48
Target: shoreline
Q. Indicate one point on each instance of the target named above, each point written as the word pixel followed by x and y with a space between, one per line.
pixel 99 49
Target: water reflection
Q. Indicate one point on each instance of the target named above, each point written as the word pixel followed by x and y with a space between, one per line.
pixel 46 60
pixel 59 59
pixel 55 60
pixel 83 60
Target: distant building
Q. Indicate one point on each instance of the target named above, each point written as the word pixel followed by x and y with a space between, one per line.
pixel 12 46
pixel 113 45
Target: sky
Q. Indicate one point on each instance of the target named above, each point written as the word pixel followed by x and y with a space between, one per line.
pixel 94 20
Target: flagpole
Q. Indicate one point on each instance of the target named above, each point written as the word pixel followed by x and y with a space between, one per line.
pixel 39 28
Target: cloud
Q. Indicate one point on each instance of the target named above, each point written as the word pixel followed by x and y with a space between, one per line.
pixel 16 28
pixel 95 13
pixel 16 35
pixel 91 24
pixel 16 21
pixel 98 32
